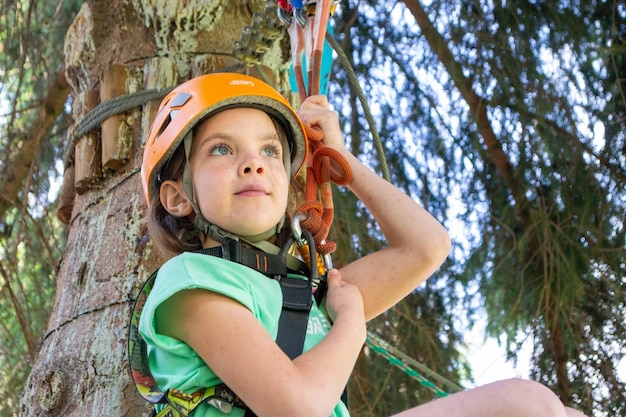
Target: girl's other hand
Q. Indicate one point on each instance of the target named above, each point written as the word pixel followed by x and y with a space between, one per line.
pixel 343 300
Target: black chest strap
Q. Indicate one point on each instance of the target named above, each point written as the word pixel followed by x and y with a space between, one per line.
pixel 270 265
pixel 297 292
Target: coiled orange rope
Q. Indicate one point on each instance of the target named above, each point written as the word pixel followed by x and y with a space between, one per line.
pixel 323 166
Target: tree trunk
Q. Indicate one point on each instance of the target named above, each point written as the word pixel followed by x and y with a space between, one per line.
pixel 82 367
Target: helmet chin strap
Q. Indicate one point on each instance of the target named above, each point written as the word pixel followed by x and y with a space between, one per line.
pixel 212 230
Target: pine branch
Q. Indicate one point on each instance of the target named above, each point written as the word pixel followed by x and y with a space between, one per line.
pixel 477 104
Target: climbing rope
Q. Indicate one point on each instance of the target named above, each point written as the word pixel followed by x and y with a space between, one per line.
pixel 356 87
pixel 410 366
pixel 324 165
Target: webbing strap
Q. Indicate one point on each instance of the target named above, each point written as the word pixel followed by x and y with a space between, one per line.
pixel 297 299
pixel 294 317
pixel 264 261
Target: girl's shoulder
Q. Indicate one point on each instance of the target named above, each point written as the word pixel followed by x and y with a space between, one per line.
pixel 193 266
pixel 191 270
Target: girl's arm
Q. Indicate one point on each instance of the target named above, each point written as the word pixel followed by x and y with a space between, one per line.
pixel 417 243
pixel 240 351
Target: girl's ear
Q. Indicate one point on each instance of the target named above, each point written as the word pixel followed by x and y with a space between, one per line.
pixel 174 199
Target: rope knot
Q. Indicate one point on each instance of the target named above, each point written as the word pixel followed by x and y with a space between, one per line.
pixel 325 165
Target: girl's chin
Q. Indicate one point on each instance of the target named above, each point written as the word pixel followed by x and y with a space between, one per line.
pixel 251 231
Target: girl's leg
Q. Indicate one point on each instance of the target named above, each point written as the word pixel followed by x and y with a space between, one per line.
pixel 511 398
pixel 570 412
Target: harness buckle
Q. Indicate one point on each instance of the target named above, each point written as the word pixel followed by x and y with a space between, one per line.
pixel 231 250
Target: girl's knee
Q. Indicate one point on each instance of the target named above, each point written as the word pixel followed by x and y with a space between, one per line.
pixel 533 396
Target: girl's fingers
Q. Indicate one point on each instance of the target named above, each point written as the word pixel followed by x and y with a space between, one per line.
pixel 333 278
pixel 318 100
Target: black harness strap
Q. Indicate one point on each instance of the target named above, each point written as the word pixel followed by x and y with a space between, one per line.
pixel 294 317
pixel 297 296
pixel 297 300
pixel 273 266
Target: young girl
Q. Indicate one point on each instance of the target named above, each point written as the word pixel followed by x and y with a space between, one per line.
pixel 217 169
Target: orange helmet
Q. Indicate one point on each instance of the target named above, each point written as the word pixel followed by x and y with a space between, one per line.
pixel 191 102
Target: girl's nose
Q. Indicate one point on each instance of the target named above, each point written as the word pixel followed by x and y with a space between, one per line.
pixel 251 165
pixel 252 168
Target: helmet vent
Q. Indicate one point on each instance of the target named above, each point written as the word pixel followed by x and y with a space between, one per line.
pixel 164 126
pixel 179 100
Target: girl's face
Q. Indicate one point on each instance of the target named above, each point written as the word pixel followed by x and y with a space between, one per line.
pixel 239 178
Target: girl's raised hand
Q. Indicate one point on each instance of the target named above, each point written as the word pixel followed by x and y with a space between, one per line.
pixel 315 113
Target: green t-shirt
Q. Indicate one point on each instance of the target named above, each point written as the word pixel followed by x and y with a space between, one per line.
pixel 173 363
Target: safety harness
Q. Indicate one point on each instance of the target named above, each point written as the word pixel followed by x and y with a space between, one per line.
pixel 298 294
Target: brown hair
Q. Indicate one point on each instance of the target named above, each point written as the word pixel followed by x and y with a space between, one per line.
pixel 172 234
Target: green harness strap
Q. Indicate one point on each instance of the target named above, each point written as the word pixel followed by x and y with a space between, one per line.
pixel 180 404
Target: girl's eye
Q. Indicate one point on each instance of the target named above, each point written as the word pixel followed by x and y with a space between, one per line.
pixel 272 151
pixel 219 150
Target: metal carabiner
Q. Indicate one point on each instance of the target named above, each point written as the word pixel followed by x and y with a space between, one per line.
pixel 302 242
pixel 297 230
pixel 328 260
pixel 283 16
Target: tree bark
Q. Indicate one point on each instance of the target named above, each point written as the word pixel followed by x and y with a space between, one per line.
pixel 82 368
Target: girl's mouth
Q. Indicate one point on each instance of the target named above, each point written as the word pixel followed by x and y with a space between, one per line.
pixel 252 191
